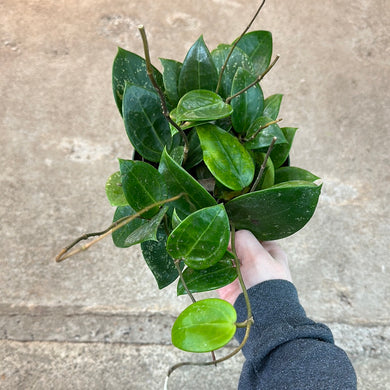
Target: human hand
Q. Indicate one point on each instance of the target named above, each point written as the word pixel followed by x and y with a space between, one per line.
pixel 259 262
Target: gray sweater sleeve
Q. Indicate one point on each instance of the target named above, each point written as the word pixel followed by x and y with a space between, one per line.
pixel 286 350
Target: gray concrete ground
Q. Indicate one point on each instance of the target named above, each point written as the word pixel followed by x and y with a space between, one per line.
pixel 98 321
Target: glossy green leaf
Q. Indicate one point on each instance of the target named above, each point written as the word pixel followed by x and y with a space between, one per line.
pixel 268 176
pixel 247 106
pixel 136 231
pixel 216 276
pixel 228 161
pixel 275 212
pixel 198 71
pixel 142 185
pixel 204 326
pixel 284 174
pixel 238 59
pixel 170 76
pixel 202 238
pixel 272 106
pixel 176 220
pixel 114 190
pixel 265 136
pixel 177 154
pixel 158 260
pixel 280 152
pixel 201 105
pixel 258 46
pixel 195 153
pixel 146 126
pixel 178 181
pixel 130 68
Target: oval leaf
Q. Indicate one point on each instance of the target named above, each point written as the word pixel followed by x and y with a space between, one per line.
pixel 158 260
pixel 264 138
pixel 238 59
pixel 258 47
pixel 204 326
pixel 280 152
pixel 276 212
pixel 130 68
pixel 284 174
pixel 228 161
pixel 171 74
pixel 136 231
pixel 178 181
pixel 268 178
pixel 114 190
pixel 217 276
pixel 146 126
pixel 202 238
pixel 142 185
pixel 272 106
pixel 249 105
pixel 201 105
pixel 198 71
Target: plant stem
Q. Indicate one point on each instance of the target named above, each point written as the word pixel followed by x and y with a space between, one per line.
pixel 112 228
pixel 263 165
pixel 235 44
pixel 149 70
pixel 177 265
pixel 258 79
pixel 261 128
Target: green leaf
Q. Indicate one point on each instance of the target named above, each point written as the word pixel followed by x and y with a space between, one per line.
pixel 198 71
pixel 204 326
pixel 176 221
pixel 228 161
pixel 280 152
pixel 284 174
pixel 202 238
pixel 217 276
pixel 145 124
pixel 114 190
pixel 238 59
pixel 158 260
pixel 142 185
pixel 275 212
pixel 130 68
pixel 171 74
pixel 136 231
pixel 258 46
pixel 268 177
pixel 178 181
pixel 201 105
pixel 248 106
pixel 264 138
pixel 195 153
pixel 272 106
pixel 177 154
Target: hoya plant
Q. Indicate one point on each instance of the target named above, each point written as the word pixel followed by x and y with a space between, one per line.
pixel 209 157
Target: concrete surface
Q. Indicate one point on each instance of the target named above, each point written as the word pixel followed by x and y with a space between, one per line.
pixel 98 321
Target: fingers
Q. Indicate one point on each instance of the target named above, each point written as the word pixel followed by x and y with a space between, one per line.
pixel 259 262
pixel 275 250
pixel 248 248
